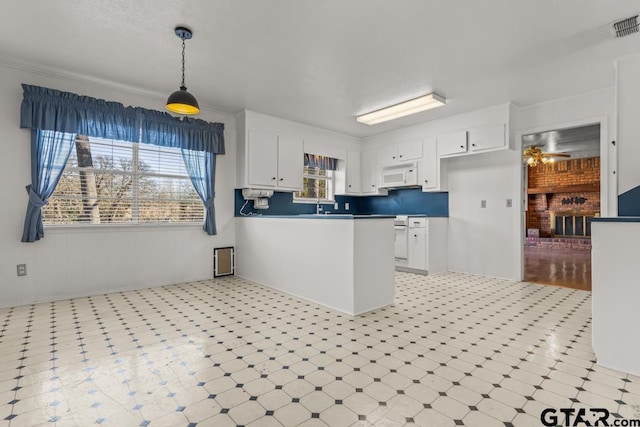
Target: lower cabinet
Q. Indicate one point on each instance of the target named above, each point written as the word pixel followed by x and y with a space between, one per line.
pixel 417 244
pixel 426 246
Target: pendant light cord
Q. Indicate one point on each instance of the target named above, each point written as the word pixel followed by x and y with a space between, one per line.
pixel 183 86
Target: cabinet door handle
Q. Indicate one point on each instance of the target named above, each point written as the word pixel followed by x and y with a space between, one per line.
pixel 373 185
pixel 426 180
pixel 462 146
pixel 281 179
pixel 393 157
pixel 400 155
pixel 349 185
pixel 473 145
pixel 415 235
pixel 273 178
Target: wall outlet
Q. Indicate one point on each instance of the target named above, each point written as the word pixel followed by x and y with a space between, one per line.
pixel 509 203
pixel 346 205
pixel 21 269
pixel 483 204
pixel 335 206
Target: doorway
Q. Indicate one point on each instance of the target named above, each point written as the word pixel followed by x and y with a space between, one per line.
pixel 562 185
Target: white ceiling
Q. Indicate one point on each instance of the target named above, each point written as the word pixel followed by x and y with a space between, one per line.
pixel 579 142
pixel 324 62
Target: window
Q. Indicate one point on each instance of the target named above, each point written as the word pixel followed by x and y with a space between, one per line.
pixel 317 186
pixel 118 182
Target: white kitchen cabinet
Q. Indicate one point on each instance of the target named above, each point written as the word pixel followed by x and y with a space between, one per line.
pixel 290 163
pixel 353 173
pixel 410 150
pixel 388 154
pixel 417 244
pixel 429 166
pixel 475 139
pixel 262 156
pixel 368 166
pixel 487 137
pixel 426 246
pixel 273 160
pixel 452 143
pixel 399 152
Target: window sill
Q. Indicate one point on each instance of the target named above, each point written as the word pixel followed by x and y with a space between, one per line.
pixel 313 202
pixel 107 228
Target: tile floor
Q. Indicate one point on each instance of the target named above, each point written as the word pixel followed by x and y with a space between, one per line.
pixel 454 349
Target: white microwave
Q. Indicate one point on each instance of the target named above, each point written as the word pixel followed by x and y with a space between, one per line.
pixel 402 175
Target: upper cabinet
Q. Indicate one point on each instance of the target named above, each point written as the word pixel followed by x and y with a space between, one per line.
pixel 353 172
pixel 429 176
pixel 476 139
pixel 369 183
pixel 487 137
pixel 393 153
pixel 452 143
pixel 267 158
pixel 262 158
pixel 274 161
pixel 290 163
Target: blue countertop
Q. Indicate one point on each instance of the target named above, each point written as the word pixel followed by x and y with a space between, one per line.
pixel 617 219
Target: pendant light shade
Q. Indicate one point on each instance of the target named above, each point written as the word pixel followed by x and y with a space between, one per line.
pixel 181 101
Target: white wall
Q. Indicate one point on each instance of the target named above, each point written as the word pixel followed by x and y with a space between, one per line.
pixel 484 240
pixel 628 125
pixel 75 262
pixel 580 110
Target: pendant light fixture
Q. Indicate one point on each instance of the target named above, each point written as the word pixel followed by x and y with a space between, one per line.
pixel 181 101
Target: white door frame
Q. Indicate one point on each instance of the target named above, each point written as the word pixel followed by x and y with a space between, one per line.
pixel 608 177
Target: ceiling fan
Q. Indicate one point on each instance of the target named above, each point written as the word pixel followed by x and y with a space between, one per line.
pixel 534 156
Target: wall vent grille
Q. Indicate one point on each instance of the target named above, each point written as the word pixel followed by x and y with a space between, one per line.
pixel 626 27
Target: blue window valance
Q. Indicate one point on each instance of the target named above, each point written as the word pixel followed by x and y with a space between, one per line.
pixel 322 162
pixel 50 109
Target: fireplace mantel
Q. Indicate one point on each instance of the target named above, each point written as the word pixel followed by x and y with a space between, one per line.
pixel 582 188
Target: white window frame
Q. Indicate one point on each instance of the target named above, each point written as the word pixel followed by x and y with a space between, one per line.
pixel 136 198
pixel 329 178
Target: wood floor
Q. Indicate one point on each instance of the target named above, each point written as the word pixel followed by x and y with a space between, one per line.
pixel 559 267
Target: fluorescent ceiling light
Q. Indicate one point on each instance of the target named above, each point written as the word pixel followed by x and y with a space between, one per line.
pixel 406 108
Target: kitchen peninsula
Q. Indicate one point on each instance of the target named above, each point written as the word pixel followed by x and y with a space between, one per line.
pixel 615 292
pixel 345 262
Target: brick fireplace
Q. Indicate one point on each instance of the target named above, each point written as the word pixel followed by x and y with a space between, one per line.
pixel 562 198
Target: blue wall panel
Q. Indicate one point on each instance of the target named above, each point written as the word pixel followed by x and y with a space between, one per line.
pixel 629 202
pixel 407 201
pixel 404 201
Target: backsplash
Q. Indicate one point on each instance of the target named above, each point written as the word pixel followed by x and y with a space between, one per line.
pixel 403 201
pixel 407 201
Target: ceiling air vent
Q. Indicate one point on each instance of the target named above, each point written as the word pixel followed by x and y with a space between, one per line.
pixel 626 26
